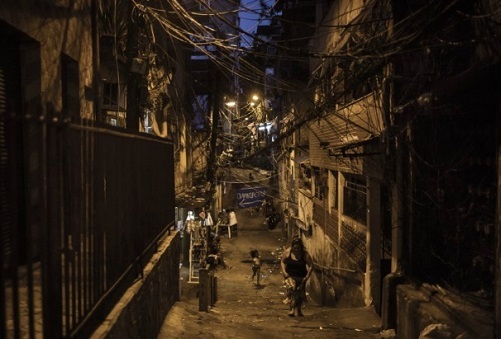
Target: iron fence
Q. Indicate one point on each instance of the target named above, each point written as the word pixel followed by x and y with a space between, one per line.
pixel 83 206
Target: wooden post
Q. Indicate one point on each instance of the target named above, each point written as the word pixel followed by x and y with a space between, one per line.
pixel 203 290
pixel 207 289
pixel 210 297
pixel 214 292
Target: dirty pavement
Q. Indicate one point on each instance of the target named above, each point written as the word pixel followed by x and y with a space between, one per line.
pixel 244 310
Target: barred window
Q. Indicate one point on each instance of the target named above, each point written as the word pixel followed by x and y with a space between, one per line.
pixel 355 198
pixel 110 94
pixel 320 183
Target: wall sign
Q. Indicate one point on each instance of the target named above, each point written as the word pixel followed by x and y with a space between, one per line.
pixel 250 196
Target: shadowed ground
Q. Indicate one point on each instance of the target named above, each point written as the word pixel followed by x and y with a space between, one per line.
pixel 246 311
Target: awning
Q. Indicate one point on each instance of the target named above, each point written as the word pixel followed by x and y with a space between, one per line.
pixel 349 149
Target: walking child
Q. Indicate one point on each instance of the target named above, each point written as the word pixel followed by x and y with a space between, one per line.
pixel 256 266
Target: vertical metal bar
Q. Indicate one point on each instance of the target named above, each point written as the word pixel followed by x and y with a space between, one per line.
pixel 11 284
pixel 79 215
pixel 16 225
pixel 43 214
pixel 3 313
pixel 30 185
pixel 4 208
pixel 80 230
pixel 99 200
pixel 70 237
pixel 90 219
pixel 79 282
pixel 51 285
pixel 88 232
pixel 15 300
pixel 497 235
pixel 66 247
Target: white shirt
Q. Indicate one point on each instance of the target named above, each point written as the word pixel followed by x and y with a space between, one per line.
pixel 208 220
pixel 232 218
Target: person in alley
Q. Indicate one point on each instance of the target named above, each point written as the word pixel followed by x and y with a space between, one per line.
pixel 297 267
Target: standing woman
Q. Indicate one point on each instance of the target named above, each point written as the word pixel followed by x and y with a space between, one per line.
pixel 297 266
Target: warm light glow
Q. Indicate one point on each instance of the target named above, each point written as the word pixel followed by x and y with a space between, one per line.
pixel 255 97
pixel 231 103
pixel 252 103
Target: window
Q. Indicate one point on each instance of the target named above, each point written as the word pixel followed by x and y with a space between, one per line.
pixel 333 190
pixel 337 85
pixel 110 94
pixel 305 177
pixel 201 110
pixel 361 86
pixel 320 183
pixel 70 87
pixel 355 198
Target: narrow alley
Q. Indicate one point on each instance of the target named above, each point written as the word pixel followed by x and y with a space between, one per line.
pixel 244 310
pixel 369 128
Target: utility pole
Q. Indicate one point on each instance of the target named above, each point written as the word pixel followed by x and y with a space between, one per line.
pixel 211 163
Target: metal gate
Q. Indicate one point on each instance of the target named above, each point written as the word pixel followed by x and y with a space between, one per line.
pixel 82 207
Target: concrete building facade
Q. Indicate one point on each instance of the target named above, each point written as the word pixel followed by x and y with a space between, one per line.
pixel 76 195
pixel 358 186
